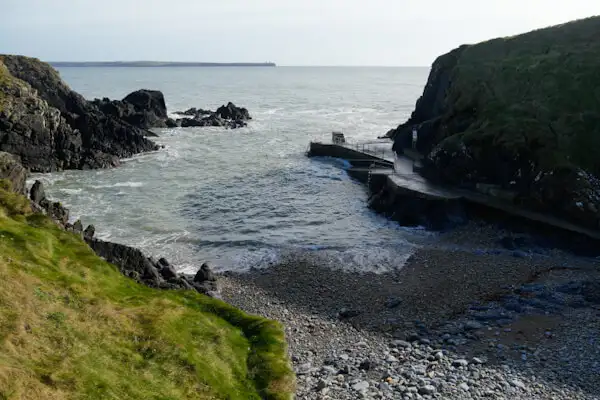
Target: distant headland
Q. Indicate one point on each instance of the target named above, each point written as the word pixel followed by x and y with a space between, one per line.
pixel 155 64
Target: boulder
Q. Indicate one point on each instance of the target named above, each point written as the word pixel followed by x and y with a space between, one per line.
pixel 12 170
pixel 168 272
pixel 152 101
pixel 51 128
pixel 143 109
pixel 171 123
pixel 88 233
pixel 37 193
pixel 57 212
pixel 78 227
pixel 204 274
pixel 229 116
pixel 232 112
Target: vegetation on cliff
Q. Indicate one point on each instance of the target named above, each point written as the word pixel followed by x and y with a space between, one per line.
pixel 522 112
pixel 73 327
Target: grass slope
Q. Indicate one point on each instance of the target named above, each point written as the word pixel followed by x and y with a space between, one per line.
pixel 72 327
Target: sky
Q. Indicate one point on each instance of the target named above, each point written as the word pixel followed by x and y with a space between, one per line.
pixel 287 32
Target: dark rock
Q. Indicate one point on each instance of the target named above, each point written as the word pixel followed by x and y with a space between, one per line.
pixel 171 123
pixel 37 193
pixel 207 287
pixel 591 292
pixel 347 313
pixel 150 274
pixel 344 370
pixel 366 365
pixel 185 284
pixel 57 212
pixel 12 170
pixel 413 337
pixel 231 112
pixel 130 261
pixel 51 128
pixel 143 109
pixel 192 122
pixel 88 233
pixel 78 227
pixel 168 272
pixel 204 274
pixel 148 100
pixel 163 262
pixel 392 302
pixel 228 116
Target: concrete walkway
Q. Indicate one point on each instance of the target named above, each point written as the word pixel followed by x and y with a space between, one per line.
pixel 402 176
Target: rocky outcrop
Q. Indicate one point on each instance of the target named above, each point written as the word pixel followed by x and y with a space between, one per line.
pixel 12 170
pixel 55 210
pixel 130 261
pixel 158 274
pixel 143 109
pixel 228 116
pixel 51 128
pixel 517 113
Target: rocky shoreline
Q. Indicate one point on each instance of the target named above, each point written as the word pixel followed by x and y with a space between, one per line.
pixel 130 261
pixel 52 128
pixel 456 322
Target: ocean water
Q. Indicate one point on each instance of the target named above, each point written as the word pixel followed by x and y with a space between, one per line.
pixel 248 197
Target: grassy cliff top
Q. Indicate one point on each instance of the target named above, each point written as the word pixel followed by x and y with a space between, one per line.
pixel 535 95
pixel 72 327
pixel 8 85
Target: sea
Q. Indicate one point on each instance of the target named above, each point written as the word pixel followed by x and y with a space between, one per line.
pixel 248 198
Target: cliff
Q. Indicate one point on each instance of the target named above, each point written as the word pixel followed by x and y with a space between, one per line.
pixel 522 113
pixel 74 327
pixel 50 127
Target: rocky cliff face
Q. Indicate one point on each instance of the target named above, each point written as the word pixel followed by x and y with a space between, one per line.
pixel 50 127
pixel 522 113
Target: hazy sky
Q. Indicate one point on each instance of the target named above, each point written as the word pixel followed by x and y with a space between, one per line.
pixel 288 32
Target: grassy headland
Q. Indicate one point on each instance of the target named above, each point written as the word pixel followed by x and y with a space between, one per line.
pixel 73 327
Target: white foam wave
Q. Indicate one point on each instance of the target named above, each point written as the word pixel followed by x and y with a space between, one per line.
pixel 119 184
pixel 70 191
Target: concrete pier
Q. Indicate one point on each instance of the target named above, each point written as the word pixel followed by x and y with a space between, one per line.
pixel 401 193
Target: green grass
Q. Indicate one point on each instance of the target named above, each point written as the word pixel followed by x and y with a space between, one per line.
pixel 72 327
pixel 8 86
pixel 533 97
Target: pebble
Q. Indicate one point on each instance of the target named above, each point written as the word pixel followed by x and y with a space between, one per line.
pixel 360 386
pixel 427 389
pixel 402 343
pixel 519 384
pixel 335 360
pixel 460 363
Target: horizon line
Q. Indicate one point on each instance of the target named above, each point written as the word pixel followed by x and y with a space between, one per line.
pixel 234 63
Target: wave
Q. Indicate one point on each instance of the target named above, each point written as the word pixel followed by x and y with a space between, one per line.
pixel 70 191
pixel 119 184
